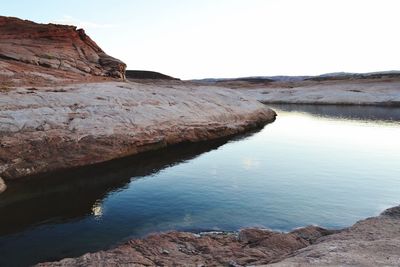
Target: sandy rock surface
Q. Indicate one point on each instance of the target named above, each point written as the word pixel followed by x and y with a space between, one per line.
pixel 371 242
pixel 386 93
pixel 49 128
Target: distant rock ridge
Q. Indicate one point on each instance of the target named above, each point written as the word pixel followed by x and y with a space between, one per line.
pixel 145 74
pixel 55 47
pixel 322 77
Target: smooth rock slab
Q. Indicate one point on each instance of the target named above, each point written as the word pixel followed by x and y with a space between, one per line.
pixel 48 128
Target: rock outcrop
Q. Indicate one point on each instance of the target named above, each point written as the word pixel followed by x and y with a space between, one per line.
pixel 145 74
pixel 65 51
pixel 359 92
pixel 48 128
pixel 371 242
pixel 248 247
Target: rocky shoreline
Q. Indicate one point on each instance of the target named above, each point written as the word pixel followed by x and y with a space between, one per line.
pixel 361 92
pixel 371 242
pixel 44 129
pixel 65 103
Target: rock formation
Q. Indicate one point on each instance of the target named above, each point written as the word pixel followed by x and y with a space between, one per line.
pixel 66 52
pixel 49 128
pixel 46 124
pixel 248 247
pixel 144 74
pixel 371 242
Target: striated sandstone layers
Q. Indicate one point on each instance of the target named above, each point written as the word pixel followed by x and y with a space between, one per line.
pixel 48 128
pixel 62 125
pixel 371 242
pixel 48 52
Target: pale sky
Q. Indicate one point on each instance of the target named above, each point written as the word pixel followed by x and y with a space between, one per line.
pixel 233 38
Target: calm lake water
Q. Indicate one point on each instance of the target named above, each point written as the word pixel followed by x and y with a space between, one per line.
pixel 323 165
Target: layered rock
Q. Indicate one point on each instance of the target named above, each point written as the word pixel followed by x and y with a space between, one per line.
pixel 49 128
pixel 371 242
pixel 66 52
pixel 248 247
pixel 46 124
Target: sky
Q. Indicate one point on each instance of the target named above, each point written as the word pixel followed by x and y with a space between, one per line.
pixel 193 39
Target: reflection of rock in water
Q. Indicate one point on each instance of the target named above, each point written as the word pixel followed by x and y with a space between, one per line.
pixel 3 186
pixel 345 112
pixel 71 194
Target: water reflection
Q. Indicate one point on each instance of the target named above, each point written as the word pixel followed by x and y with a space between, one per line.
pixel 345 111
pixel 73 194
pixel 314 165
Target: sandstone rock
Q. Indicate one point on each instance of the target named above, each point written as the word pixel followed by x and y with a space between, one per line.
pixel 61 49
pixel 48 128
pixel 374 93
pixel 313 233
pixel 249 247
pixel 371 242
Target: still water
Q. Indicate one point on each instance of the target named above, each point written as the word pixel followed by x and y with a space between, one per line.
pixel 323 165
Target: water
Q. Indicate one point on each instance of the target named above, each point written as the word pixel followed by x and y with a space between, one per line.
pixel 323 165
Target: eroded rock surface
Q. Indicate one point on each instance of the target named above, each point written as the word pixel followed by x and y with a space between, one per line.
pixel 374 93
pixel 32 52
pixel 248 247
pixel 371 242
pixel 49 128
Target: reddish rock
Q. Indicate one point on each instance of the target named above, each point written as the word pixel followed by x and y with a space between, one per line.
pixel 371 242
pixel 248 247
pixel 45 129
pixel 65 51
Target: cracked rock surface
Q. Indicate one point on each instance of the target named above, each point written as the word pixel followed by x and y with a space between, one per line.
pixel 48 128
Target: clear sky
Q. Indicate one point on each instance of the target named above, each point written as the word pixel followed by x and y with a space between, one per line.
pixel 231 38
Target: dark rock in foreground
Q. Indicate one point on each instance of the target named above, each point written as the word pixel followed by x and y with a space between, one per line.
pixel 371 242
pixel 249 246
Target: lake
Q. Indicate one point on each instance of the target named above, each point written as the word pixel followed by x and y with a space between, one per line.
pixel 322 165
